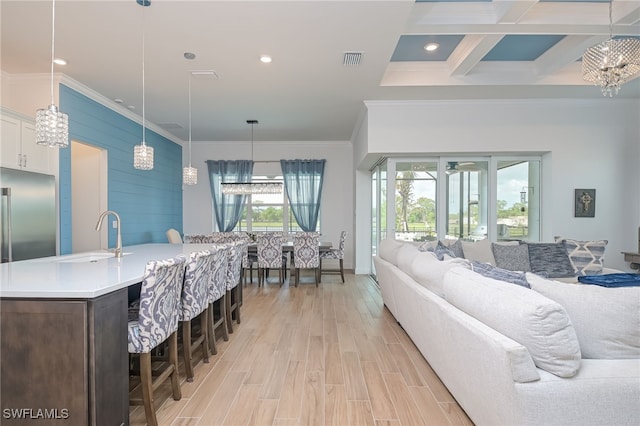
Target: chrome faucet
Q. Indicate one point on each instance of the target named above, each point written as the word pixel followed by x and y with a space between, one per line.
pixel 118 249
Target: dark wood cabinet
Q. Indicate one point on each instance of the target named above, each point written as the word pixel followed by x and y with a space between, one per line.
pixel 64 362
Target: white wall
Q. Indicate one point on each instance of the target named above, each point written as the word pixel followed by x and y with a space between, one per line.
pixel 337 211
pixel 584 143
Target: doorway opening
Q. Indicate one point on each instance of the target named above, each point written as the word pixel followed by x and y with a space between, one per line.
pixel 88 196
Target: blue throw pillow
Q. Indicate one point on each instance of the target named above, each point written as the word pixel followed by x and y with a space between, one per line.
pixel 550 260
pixel 490 271
pixel 440 250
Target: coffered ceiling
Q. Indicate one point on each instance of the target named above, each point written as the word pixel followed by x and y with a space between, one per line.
pixel 487 49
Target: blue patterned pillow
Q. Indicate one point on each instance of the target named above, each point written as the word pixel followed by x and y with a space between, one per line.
pixel 587 257
pixel 550 260
pixel 511 257
pixel 500 274
pixel 440 250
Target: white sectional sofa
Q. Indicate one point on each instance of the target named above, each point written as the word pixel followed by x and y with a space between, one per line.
pixel 511 355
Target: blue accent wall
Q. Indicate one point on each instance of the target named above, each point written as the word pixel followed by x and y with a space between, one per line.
pixel 148 202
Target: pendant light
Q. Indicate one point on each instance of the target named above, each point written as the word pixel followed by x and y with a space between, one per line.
pixel 245 188
pixel 143 154
pixel 613 62
pixel 190 174
pixel 52 125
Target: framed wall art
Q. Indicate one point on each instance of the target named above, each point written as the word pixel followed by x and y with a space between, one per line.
pixel 585 203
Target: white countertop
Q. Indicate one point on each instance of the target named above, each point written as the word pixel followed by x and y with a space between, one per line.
pixel 84 275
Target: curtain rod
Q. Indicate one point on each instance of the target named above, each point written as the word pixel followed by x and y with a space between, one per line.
pixel 256 161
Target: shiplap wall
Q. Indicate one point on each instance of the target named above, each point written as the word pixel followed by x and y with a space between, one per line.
pixel 148 202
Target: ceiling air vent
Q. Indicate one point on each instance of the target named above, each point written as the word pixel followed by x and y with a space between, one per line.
pixel 351 59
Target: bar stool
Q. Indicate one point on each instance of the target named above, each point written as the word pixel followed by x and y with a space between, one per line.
pixel 217 294
pixel 194 304
pixel 156 323
pixel 234 287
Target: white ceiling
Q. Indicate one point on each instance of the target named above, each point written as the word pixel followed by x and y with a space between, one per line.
pixel 306 93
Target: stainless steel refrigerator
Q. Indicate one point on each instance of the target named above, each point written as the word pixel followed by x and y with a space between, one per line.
pixel 27 215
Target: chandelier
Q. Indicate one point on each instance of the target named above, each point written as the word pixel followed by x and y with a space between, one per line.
pixel 613 62
pixel 143 154
pixel 245 188
pixel 190 174
pixel 52 125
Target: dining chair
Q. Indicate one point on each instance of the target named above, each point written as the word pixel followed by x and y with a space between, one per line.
pixel 306 254
pixel 217 294
pixel 194 304
pixel 156 323
pixel 269 250
pixel 174 236
pixel 335 253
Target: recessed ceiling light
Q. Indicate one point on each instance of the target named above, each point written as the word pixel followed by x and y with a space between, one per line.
pixel 118 100
pixel 190 56
pixel 131 107
pixel 430 47
pixel 265 58
pixel 59 61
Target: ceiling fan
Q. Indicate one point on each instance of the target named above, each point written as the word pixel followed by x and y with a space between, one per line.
pixel 462 166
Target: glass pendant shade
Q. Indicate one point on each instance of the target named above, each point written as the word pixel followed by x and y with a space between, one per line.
pixel 143 157
pixel 245 188
pixel 52 127
pixel 612 63
pixel 189 175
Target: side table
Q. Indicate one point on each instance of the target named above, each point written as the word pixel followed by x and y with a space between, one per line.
pixel 634 259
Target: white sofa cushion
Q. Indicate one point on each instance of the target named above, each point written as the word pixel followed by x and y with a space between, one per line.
pixel 388 250
pixel 429 272
pixel 606 320
pixel 529 318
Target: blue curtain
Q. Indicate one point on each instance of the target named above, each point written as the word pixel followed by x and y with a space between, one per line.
pixel 228 208
pixel 303 183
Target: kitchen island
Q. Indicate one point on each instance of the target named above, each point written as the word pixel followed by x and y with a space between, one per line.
pixel 63 335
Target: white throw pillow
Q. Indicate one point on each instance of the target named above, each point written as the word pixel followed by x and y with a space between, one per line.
pixel 429 272
pixel 536 322
pixel 480 251
pixel 606 320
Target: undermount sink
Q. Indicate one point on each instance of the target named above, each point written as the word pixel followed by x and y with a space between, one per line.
pixel 88 257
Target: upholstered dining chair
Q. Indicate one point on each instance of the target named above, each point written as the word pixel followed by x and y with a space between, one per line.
pixel 269 250
pixel 194 304
pixel 217 294
pixel 174 236
pixel 306 254
pixel 157 322
pixel 234 287
pixel 335 253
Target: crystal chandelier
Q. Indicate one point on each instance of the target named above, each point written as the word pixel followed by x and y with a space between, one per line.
pixel 143 154
pixel 190 174
pixel 246 188
pixel 52 125
pixel 611 63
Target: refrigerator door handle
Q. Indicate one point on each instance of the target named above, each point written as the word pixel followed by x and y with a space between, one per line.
pixel 6 192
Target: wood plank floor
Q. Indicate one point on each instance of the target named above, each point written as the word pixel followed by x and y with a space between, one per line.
pixel 331 355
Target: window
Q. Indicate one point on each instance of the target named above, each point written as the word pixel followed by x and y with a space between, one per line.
pixel 468 198
pixel 416 200
pixel 518 200
pixel 267 212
